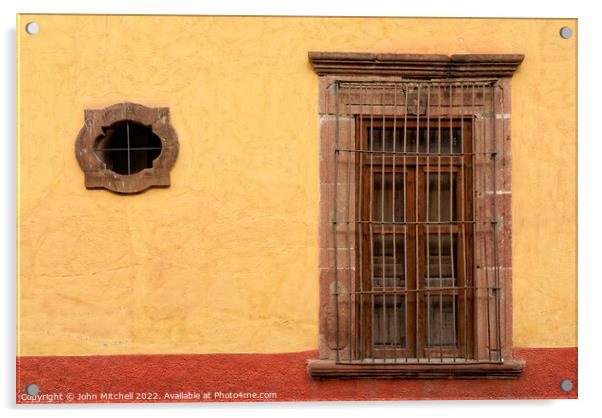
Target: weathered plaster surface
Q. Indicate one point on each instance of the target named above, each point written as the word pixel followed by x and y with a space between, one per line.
pixel 226 259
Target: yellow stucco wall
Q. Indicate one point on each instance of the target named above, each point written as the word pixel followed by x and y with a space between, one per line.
pixel 226 260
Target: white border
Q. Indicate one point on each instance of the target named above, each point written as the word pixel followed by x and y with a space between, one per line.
pixel 590 208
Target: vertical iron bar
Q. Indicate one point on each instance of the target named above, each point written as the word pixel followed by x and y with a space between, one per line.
pixel 371 200
pixel 417 240
pixel 465 281
pixel 427 218
pixel 394 218
pixel 494 224
pixel 334 219
pixel 361 228
pixel 484 195
pixel 382 218
pixel 451 215
pixel 439 199
pixel 348 224
pixel 500 280
pixel 473 230
pixel 405 217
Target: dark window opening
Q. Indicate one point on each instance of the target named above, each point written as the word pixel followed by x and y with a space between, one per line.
pixel 127 147
pixel 431 141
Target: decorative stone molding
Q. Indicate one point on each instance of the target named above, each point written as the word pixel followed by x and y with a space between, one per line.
pixel 415 65
pixel 97 175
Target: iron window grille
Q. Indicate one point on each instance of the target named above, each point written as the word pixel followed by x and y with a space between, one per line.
pixel 415 224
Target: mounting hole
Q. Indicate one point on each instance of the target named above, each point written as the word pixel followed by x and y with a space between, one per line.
pixel 566 385
pixel 566 32
pixel 32 389
pixel 32 28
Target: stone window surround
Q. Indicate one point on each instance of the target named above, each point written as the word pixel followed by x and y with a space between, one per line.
pixel 333 66
pixel 95 171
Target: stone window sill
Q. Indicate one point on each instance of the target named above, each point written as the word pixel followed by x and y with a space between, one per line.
pixel 329 369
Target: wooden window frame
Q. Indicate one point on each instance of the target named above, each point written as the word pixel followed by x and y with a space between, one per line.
pixel 415 169
pixel 334 67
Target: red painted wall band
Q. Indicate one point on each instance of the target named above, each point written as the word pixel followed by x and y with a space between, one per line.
pixel 265 377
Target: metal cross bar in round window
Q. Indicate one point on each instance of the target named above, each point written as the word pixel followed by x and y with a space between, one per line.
pixel 126 147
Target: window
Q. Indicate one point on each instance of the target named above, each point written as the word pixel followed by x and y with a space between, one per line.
pixel 126 148
pixel 415 234
pixel 415 269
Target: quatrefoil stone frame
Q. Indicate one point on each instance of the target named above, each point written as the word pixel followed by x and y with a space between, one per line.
pixel 96 173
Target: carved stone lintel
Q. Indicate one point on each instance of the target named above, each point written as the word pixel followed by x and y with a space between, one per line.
pixel 415 65
pixel 96 173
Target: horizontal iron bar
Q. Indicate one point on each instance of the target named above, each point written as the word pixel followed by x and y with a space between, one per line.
pixel 378 84
pixel 454 223
pixel 128 149
pixel 486 222
pixel 434 154
pixel 401 292
pixel 419 361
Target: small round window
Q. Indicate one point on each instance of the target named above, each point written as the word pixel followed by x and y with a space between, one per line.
pixel 127 147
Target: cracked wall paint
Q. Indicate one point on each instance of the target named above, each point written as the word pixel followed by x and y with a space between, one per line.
pixel 226 259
